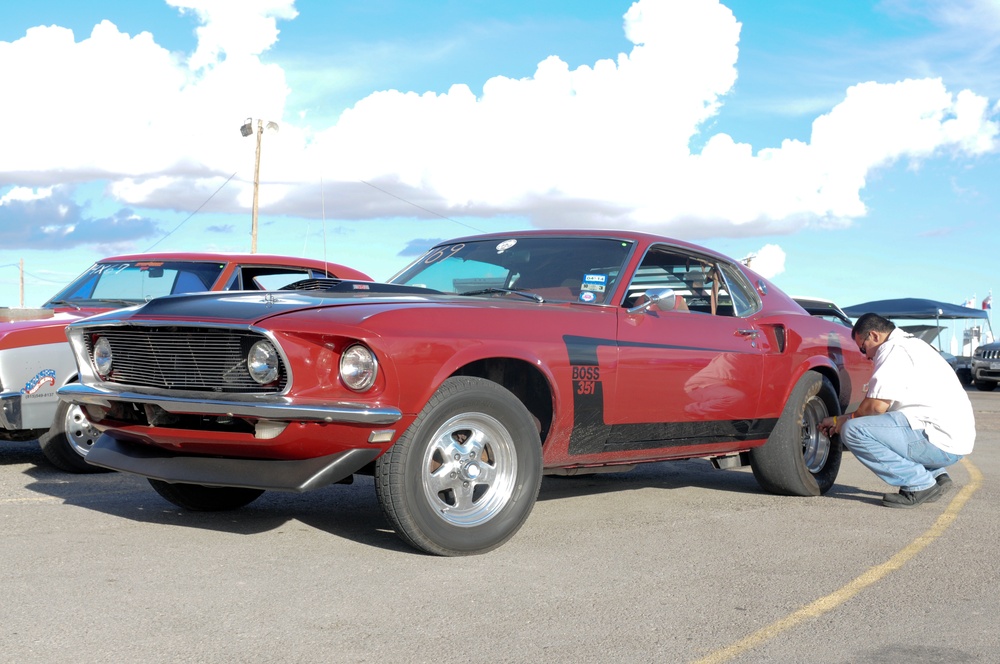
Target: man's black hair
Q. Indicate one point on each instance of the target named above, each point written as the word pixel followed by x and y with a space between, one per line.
pixel 869 322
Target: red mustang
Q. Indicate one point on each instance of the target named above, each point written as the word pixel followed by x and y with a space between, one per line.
pixel 488 362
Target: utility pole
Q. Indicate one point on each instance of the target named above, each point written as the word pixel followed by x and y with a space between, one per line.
pixel 246 130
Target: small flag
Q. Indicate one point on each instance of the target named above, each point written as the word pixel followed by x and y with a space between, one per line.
pixel 970 303
pixel 988 302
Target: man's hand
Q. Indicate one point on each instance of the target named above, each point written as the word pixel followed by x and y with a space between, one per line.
pixel 831 425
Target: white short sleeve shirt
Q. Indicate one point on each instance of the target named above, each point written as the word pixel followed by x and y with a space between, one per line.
pixel 919 383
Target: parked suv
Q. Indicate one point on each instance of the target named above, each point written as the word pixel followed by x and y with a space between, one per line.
pixel 35 358
pixel 986 366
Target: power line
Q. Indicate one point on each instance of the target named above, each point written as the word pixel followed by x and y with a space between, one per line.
pixel 33 276
pixel 420 207
pixel 387 193
pixel 176 228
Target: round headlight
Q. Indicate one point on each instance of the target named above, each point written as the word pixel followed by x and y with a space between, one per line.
pixel 102 357
pixel 262 362
pixel 358 368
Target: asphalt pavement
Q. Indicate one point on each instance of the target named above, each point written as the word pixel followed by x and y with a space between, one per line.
pixel 671 562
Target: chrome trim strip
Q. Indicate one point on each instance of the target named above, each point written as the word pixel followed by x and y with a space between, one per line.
pixel 278 408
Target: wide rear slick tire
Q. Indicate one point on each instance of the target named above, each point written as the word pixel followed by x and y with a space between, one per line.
pixel 797 459
pixel 464 476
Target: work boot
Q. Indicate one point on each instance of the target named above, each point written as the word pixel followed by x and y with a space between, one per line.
pixel 907 499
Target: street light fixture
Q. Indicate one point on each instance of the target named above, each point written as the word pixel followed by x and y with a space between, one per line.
pixel 246 129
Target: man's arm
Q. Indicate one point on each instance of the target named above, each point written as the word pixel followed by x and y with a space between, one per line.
pixel 868 406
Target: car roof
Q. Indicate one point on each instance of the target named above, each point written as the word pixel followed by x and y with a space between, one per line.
pixel 342 271
pixel 639 237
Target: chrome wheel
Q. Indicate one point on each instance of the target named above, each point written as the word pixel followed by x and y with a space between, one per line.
pixel 797 459
pixel 80 433
pixel 469 469
pixel 465 474
pixel 815 444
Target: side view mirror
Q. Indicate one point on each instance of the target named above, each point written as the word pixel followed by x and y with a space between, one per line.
pixel 660 299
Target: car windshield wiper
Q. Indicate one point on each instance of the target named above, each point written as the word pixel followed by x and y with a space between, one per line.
pixel 66 303
pixel 492 291
pixel 121 301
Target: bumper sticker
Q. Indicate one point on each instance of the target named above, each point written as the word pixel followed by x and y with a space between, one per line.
pixel 41 379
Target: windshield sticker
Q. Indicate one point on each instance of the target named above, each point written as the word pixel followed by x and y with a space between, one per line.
pixel 41 379
pixel 441 253
pixel 596 283
pixel 588 296
pixel 505 245
pixel 112 268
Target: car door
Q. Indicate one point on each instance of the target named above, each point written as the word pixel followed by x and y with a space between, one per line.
pixel 684 378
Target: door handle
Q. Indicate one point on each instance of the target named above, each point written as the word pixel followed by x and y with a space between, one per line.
pixel 753 334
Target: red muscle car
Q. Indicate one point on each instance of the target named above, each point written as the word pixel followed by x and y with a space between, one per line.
pixel 35 359
pixel 487 363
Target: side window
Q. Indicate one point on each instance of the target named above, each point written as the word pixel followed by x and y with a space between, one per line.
pixel 742 295
pixel 690 277
pixel 700 283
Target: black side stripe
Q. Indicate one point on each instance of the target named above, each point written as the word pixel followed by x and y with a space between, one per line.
pixel 592 435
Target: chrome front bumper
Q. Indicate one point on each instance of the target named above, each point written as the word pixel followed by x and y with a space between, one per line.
pixel 274 408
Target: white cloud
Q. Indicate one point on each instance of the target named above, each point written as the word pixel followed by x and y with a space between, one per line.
pixel 607 144
pixel 25 194
pixel 234 29
pixel 768 261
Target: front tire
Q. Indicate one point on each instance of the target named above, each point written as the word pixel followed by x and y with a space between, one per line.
pixel 985 385
pixel 199 498
pixel 797 459
pixel 69 440
pixel 464 476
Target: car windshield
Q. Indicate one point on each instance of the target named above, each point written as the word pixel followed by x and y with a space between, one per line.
pixel 122 283
pixel 578 269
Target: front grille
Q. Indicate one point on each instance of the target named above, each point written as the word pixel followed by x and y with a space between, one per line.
pixel 991 355
pixel 177 358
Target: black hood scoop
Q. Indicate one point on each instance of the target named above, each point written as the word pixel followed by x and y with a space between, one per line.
pixel 320 286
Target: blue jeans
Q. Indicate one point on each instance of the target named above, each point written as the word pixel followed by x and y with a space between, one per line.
pixel 901 456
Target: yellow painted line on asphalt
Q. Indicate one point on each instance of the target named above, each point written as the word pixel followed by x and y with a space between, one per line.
pixel 873 575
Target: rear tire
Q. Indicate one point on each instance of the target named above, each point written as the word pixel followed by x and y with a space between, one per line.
pixel 797 459
pixel 199 498
pixel 464 476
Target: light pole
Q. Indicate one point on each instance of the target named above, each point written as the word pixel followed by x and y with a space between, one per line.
pixel 246 130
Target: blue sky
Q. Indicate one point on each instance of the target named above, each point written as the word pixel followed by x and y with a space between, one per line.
pixel 852 146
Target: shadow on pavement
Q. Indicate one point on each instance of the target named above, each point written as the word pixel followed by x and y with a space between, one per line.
pixel 351 511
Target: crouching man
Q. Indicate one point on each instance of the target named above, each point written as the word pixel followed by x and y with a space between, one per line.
pixel 915 419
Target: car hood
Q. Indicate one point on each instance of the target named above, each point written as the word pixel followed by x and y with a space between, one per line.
pixel 24 326
pixel 251 308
